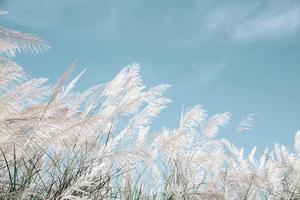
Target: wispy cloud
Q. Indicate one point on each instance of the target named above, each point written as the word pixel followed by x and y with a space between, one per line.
pixel 207 73
pixel 269 25
pixel 238 21
pixel 35 13
pixel 200 75
pixel 174 23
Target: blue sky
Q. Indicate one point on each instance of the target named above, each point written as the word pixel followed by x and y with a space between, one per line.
pixel 236 55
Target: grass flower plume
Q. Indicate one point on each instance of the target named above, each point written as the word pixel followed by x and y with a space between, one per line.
pixel 57 143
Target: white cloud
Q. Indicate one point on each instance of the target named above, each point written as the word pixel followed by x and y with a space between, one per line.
pixel 207 73
pixel 269 25
pixel 35 13
pixel 240 21
pixel 169 24
pixel 200 75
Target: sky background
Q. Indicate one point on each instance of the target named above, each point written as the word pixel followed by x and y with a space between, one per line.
pixel 236 55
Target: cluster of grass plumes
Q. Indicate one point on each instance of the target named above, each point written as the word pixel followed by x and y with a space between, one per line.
pixel 56 143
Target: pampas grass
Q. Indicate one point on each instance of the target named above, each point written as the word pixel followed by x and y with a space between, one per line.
pixel 56 143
